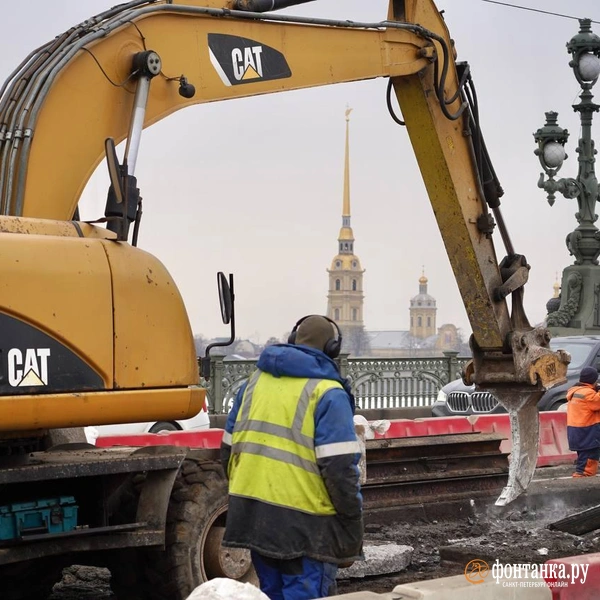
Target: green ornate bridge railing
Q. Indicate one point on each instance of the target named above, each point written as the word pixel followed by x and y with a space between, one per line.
pixel 376 382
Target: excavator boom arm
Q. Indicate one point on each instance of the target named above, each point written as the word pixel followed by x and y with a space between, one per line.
pixel 83 92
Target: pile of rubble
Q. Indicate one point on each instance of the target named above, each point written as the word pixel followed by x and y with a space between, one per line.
pixel 442 549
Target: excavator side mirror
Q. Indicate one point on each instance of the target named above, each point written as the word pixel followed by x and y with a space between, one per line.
pixel 225 297
pixel 227 302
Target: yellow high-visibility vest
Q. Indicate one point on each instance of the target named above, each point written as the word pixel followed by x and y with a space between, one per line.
pixel 273 451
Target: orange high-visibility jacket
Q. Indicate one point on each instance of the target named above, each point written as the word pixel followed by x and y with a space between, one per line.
pixel 583 417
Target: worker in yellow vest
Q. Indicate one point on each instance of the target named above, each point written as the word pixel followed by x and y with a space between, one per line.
pixel 291 455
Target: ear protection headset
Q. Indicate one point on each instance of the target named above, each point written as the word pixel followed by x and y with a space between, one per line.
pixel 332 347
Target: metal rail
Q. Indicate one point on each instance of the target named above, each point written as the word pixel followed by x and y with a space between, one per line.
pixel 421 470
pixel 376 382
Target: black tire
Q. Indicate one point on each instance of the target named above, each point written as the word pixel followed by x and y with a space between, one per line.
pixel 31 580
pixel 193 553
pixel 163 426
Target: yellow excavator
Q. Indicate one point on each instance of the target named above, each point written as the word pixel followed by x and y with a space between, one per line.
pixel 93 329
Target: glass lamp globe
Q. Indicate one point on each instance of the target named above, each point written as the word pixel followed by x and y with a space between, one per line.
pixel 589 66
pixel 554 155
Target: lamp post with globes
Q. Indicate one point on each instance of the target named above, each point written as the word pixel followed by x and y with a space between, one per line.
pixel 579 309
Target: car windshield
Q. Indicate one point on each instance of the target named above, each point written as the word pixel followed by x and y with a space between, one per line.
pixel 578 352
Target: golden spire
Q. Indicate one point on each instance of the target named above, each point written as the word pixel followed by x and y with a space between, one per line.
pixel 346 208
pixel 556 287
pixel 422 279
pixel 346 237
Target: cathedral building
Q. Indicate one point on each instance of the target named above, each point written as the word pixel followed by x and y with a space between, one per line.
pixel 424 338
pixel 345 299
pixel 422 312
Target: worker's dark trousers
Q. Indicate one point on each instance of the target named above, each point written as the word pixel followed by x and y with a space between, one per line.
pixel 583 456
pixel 297 579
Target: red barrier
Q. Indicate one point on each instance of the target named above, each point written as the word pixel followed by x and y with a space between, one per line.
pixel 553 445
pixel 415 428
pixel 427 426
pixel 446 425
pixel 494 424
pixel 204 438
pixel 580 573
pixel 553 448
pixel 397 429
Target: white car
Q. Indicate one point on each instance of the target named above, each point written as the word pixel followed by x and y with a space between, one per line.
pixel 200 421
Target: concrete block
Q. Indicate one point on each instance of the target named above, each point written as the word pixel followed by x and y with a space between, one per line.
pixel 379 560
pixel 458 588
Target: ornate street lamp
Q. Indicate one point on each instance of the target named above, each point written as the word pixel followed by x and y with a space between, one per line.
pixel 581 282
pixel 551 139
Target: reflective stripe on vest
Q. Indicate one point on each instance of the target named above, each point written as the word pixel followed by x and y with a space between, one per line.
pixel 274 435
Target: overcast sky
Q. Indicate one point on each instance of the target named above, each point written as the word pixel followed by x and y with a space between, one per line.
pixel 255 185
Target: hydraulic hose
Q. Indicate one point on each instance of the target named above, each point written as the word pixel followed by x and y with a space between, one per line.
pixel 266 5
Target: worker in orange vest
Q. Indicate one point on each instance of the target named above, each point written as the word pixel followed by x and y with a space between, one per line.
pixel 583 422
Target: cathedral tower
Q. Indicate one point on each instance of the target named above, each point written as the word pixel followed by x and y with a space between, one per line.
pixel 422 312
pixel 345 298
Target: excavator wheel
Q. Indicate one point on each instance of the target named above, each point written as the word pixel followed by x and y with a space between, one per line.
pixel 193 552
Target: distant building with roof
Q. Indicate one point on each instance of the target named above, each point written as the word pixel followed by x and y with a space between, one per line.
pixel 423 338
pixel 422 312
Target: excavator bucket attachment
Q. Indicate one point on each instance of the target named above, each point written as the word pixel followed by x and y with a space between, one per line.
pixel 524 425
pixel 518 379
